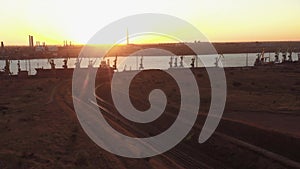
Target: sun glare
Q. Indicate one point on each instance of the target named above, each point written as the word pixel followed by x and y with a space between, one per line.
pixel 77 21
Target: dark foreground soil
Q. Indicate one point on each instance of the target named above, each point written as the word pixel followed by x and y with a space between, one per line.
pixel 260 126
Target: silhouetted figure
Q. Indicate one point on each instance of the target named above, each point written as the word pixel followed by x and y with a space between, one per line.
pixel 52 64
pixel 108 63
pixel 77 63
pixel 290 56
pixel 181 61
pixel 19 66
pixel 284 57
pixel 193 63
pixel 7 67
pixel 141 64
pixel 65 66
pixel 257 60
pixel 171 62
pixel 217 62
pixel 115 63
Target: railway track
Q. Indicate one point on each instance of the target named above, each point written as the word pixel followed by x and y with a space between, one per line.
pixel 176 157
pixel 260 151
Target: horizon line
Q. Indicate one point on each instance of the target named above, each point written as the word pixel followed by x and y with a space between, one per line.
pixel 158 43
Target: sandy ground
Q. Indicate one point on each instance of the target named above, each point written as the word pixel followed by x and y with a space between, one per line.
pixel 39 128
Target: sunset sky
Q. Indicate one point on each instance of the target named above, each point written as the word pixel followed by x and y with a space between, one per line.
pixel 54 21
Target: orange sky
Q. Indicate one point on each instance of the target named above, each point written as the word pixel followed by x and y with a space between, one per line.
pixel 219 20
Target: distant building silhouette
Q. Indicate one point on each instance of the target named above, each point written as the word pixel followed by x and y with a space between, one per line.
pixel 30 41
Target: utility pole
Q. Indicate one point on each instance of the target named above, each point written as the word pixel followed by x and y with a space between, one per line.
pixel 247 55
pixel 127 37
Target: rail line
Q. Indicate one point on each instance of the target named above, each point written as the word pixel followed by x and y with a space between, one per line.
pixel 178 158
pixel 266 153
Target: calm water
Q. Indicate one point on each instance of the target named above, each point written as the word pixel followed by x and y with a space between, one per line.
pixel 149 62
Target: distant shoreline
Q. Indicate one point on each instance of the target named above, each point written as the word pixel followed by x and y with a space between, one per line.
pixel 213 42
pixel 203 48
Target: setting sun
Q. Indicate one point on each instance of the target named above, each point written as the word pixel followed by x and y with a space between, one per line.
pixel 219 20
